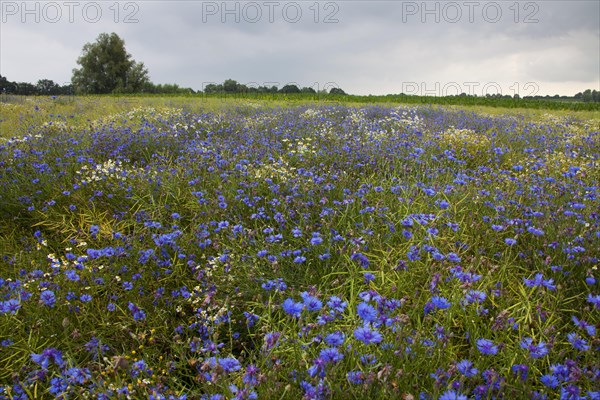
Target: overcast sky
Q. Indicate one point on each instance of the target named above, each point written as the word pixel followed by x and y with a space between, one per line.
pixel 364 47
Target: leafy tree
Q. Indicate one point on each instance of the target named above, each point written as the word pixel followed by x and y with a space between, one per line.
pixel 47 86
pixel 212 88
pixel 289 89
pixel 336 91
pixel 307 89
pixel 230 86
pixel 5 84
pixel 106 67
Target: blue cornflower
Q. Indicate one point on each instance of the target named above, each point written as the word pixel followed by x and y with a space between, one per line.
pixel 413 253
pixel 539 280
pixel 367 335
pixel 48 298
pixel 366 312
pixel 271 340
pixel 437 302
pixel 229 364
pixel 311 302
pixel 589 328
pixel 86 298
pixel 10 306
pixel 510 241
pixel 368 277
pixel 355 377
pixel 78 375
pixel 299 259
pixel 316 239
pixel 452 395
pixel 72 275
pixel 453 257
pixel 251 319
pixel 475 296
pixel 262 253
pixel 138 314
pixel 94 229
pixel 433 231
pixel 139 367
pixel 594 299
pixel 251 376
pixel 549 381
pixel 521 370
pixel 577 341
pixel 571 392
pixel 331 354
pixel 335 339
pixel 58 386
pixel 535 231
pixel 466 368
pixel 336 304
pixel 361 259
pixel 487 347
pixel 49 354
pixel 292 308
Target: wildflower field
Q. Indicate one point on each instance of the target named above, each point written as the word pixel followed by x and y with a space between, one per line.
pixel 308 251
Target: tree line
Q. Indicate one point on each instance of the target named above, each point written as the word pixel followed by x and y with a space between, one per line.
pixel 105 67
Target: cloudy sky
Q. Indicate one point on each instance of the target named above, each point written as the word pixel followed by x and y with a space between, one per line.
pixel 364 47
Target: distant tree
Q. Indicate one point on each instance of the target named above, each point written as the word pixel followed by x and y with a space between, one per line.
pixel 289 89
pixel 230 86
pixel 595 96
pixel 308 90
pixel 25 88
pixel 587 96
pixel 106 67
pixel 213 88
pixel 336 91
pixel 5 84
pixel 47 86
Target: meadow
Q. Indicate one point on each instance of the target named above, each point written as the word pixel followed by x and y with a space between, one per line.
pixel 180 248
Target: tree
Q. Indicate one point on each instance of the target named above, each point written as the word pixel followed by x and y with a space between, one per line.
pixel 47 86
pixel 106 67
pixel 230 86
pixel 289 89
pixel 336 91
pixel 5 84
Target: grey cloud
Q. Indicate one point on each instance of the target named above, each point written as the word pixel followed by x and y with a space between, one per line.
pixel 375 47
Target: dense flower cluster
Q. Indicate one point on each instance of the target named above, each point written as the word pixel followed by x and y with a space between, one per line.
pixel 303 252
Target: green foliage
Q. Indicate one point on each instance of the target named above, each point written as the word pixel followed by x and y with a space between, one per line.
pixel 106 67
